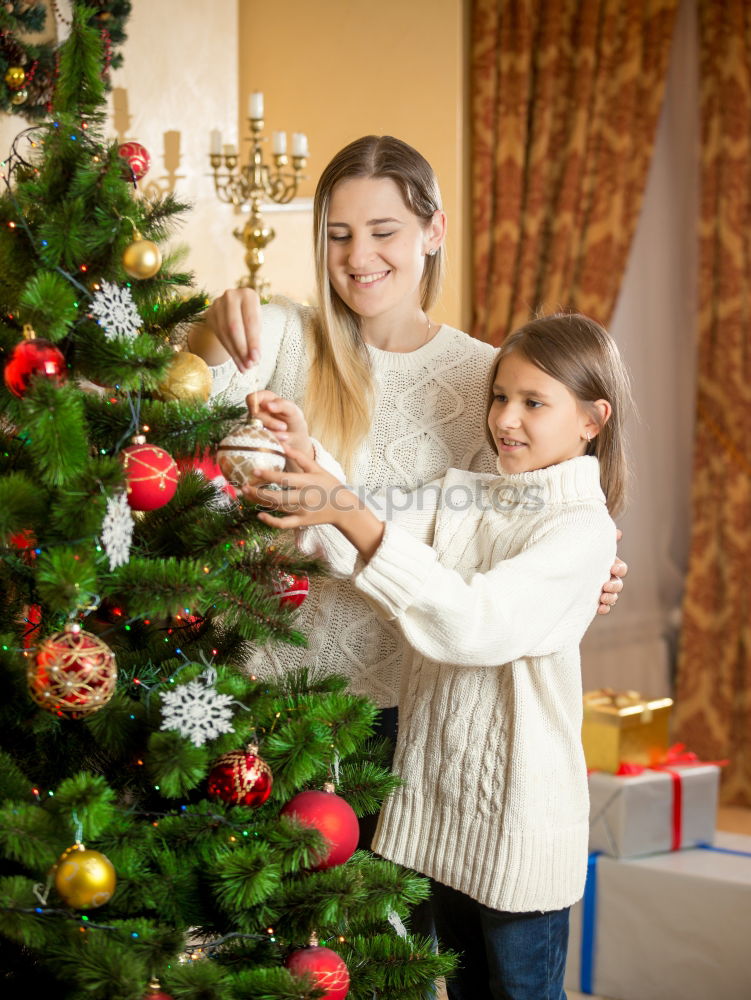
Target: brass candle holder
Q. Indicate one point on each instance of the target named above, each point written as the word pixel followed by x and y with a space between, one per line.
pixel 247 186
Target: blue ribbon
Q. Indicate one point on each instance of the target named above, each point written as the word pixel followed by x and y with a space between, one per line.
pixel 589 925
pixel 724 850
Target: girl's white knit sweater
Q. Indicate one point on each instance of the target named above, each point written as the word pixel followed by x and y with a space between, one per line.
pixel 494 801
pixel 429 415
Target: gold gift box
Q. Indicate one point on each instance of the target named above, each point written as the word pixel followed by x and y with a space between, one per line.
pixel 624 726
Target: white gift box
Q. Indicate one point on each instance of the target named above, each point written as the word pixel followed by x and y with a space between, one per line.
pixel 654 811
pixel 672 926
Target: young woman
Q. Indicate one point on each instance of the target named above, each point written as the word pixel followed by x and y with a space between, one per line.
pixel 492 581
pixel 396 396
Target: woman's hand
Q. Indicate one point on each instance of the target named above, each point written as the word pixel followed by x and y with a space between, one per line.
pixel 284 419
pixel 313 496
pixel 611 590
pixel 235 320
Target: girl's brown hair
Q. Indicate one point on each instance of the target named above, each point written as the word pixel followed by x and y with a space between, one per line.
pixel 339 398
pixel 581 354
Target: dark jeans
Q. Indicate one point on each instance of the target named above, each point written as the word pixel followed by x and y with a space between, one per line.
pixel 504 956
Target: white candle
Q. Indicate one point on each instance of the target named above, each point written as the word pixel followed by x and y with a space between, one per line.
pixel 279 142
pixel 216 140
pixel 255 104
pixel 299 144
pixel 229 149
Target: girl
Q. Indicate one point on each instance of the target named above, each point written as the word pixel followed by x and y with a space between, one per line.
pixel 494 805
pixel 396 396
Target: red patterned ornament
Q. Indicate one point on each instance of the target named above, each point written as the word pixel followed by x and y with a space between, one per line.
pixel 32 619
pixel 33 358
pixel 137 159
pixel 333 816
pixel 73 674
pixel 292 589
pixel 151 474
pixel 327 970
pixel 241 778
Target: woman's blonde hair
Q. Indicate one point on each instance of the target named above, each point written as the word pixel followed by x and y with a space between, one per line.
pixel 581 354
pixel 340 396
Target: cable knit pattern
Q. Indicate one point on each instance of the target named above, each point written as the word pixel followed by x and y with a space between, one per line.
pixel 429 415
pixel 495 798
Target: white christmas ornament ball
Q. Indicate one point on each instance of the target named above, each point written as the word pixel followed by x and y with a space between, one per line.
pixel 248 446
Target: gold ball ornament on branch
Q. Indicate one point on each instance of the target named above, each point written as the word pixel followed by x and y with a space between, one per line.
pixel 73 674
pixel 249 446
pixel 15 77
pixel 141 258
pixel 188 377
pixel 84 879
pixel 20 96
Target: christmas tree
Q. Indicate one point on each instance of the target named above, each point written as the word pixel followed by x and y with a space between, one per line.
pixel 165 824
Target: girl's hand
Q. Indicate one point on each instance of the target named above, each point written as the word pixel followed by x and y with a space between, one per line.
pixel 313 496
pixel 284 419
pixel 235 320
pixel 611 590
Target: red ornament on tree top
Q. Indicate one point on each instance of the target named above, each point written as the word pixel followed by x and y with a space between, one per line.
pixel 333 816
pixel 327 970
pixel 137 159
pixel 292 589
pixel 151 474
pixel 33 358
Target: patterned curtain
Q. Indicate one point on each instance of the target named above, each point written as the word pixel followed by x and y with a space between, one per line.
pixel 565 101
pixel 713 688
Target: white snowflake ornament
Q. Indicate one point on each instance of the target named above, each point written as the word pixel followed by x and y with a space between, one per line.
pixel 197 711
pixel 117 530
pixel 116 312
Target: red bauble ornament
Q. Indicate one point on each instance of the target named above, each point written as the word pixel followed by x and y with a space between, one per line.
pixel 156 992
pixel 327 970
pixel 73 674
pixel 292 589
pixel 137 158
pixel 151 474
pixel 31 358
pixel 241 778
pixel 32 619
pixel 334 817
pixel 205 463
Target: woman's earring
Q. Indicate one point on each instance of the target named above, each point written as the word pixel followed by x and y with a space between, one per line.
pixel 432 253
pixel 589 437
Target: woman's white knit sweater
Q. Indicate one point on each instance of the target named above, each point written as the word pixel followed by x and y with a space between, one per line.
pixel 494 801
pixel 430 411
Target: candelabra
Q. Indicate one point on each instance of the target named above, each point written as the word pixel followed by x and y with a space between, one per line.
pixel 247 186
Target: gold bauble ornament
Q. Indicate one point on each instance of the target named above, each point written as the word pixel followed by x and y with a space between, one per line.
pixel 142 258
pixel 248 446
pixel 19 97
pixel 15 77
pixel 188 377
pixel 84 879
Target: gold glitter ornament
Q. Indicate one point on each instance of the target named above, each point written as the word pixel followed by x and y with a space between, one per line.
pixel 142 258
pixel 249 446
pixel 84 879
pixel 188 377
pixel 19 97
pixel 15 77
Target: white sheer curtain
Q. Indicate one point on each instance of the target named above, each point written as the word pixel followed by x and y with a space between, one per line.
pixel 655 327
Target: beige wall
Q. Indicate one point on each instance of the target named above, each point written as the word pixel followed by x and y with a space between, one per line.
pixel 339 69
